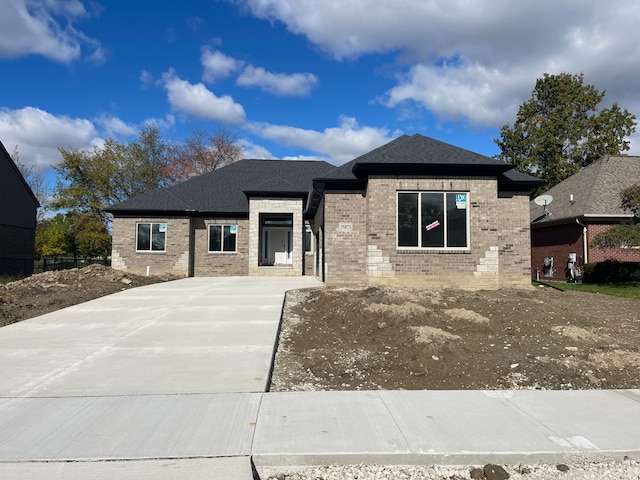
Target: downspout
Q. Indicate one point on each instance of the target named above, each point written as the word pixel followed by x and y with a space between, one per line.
pixel 584 242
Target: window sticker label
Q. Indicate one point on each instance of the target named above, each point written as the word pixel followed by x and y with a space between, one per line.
pixel 233 228
pixel 461 201
pixel 433 225
pixel 162 227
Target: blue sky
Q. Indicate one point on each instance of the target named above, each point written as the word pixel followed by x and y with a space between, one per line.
pixel 324 79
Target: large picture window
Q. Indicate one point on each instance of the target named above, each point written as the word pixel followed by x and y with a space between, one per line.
pixel 433 220
pixel 151 237
pixel 222 238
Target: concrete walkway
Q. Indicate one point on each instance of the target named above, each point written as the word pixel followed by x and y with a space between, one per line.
pixel 167 381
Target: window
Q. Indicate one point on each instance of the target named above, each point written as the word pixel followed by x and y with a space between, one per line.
pixel 151 237
pixel 308 234
pixel 222 238
pixel 433 220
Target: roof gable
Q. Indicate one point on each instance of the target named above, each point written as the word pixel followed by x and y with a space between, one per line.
pixel 591 192
pixel 18 204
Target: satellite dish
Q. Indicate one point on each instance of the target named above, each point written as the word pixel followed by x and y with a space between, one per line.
pixel 543 200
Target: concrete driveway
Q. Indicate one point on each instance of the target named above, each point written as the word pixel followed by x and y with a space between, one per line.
pixel 159 372
pixel 197 335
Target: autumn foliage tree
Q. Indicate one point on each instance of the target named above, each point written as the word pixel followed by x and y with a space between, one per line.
pixel 201 153
pixel 560 130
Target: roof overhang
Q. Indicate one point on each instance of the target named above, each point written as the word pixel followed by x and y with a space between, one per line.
pixel 365 169
pixel 586 218
pixel 320 185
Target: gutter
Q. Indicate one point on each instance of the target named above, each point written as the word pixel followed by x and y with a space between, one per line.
pixel 585 256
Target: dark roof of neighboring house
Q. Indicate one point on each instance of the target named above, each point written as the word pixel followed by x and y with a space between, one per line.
pixel 225 190
pixel 595 191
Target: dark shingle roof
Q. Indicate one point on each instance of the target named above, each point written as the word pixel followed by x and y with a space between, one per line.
pixel 224 190
pixel 595 191
pixel 417 153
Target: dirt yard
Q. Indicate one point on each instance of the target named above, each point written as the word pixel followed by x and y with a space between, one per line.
pixel 383 338
pixel 49 291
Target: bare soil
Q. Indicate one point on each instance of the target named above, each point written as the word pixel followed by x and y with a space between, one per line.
pixel 49 291
pixel 402 338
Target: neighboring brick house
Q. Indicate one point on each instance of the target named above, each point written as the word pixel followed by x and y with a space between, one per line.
pixel 583 205
pixel 415 211
pixel 18 209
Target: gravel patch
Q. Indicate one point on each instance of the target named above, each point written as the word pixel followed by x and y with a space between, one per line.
pixel 577 469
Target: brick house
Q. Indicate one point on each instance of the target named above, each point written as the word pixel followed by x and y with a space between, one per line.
pixel 415 211
pixel 18 209
pixel 583 205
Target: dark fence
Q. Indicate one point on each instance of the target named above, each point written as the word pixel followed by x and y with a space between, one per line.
pixel 24 267
pixel 44 264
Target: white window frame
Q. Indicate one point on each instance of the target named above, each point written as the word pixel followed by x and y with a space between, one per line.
pixel 419 247
pixel 308 231
pixel 233 229
pixel 162 227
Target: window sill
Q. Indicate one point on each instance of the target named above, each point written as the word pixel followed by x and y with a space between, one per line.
pixel 413 251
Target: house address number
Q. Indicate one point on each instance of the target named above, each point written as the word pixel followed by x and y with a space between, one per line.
pixel 345 227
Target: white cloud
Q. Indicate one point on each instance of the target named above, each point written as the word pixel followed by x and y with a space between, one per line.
pixel 38 134
pixel 197 101
pixel 281 84
pixel 475 60
pixel 340 144
pixel 45 27
pixel 252 150
pixel 166 123
pixel 116 127
pixel 217 65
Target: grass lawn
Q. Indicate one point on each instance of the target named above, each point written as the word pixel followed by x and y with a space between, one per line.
pixel 630 290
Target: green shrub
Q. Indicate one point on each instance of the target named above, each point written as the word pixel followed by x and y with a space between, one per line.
pixel 611 272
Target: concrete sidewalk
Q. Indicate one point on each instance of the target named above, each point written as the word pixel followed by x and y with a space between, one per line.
pixel 167 381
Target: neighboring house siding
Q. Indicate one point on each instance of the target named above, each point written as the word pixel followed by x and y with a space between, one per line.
pixel 17 247
pixel 18 208
pixel 345 231
pixel 556 242
pixel 175 258
pixel 604 254
pixel 498 253
pixel 213 264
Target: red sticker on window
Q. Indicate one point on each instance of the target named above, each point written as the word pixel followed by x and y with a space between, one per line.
pixel 433 225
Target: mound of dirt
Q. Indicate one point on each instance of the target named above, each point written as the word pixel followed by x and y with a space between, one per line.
pixel 49 291
pixel 384 338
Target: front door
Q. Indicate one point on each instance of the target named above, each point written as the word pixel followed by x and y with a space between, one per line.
pixel 277 246
pixel 276 239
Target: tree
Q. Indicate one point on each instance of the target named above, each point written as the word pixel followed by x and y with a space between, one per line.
pixel 89 180
pixel 90 236
pixel 54 237
pixel 559 130
pixel 201 153
pixel 623 235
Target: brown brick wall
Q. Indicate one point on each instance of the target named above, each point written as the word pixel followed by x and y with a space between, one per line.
pixel 560 240
pixel 499 238
pixel 174 260
pixel 213 264
pixel 603 254
pixel 345 230
pixel 556 242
